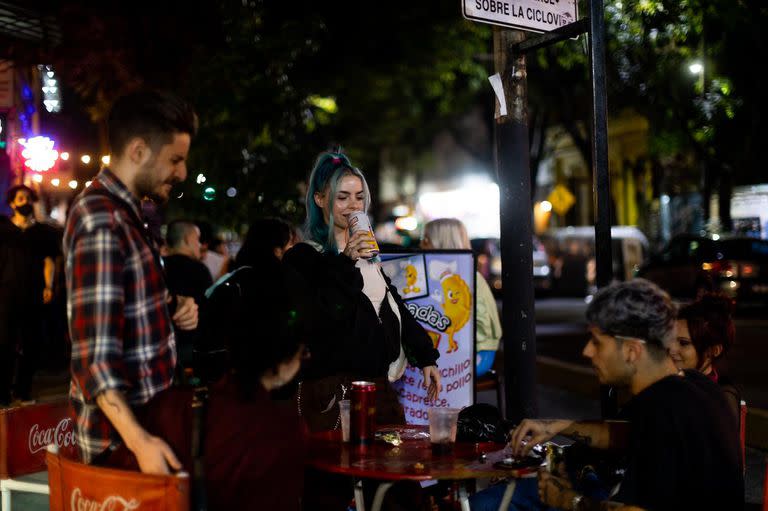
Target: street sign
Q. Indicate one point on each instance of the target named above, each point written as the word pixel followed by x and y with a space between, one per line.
pixel 561 199
pixel 530 15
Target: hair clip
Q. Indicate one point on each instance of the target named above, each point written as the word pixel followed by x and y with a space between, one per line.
pixel 336 160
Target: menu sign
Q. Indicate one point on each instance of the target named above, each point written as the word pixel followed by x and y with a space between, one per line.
pixel 439 290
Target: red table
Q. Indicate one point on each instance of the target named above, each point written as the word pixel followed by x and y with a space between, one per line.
pixel 412 460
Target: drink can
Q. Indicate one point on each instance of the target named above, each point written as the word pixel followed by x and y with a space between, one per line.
pixel 362 417
pixel 358 221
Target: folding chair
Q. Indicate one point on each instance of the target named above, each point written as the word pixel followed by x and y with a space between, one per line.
pixel 25 432
pixel 75 485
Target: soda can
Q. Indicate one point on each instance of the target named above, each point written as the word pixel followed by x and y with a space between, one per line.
pixel 362 417
pixel 358 221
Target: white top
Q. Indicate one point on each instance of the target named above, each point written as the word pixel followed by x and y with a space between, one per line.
pixel 374 286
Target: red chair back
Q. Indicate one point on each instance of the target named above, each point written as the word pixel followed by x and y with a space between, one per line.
pixel 75 486
pixel 765 487
pixel 26 431
pixel 743 434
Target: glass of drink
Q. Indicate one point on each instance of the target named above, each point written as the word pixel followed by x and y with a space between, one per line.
pixel 442 429
pixel 344 413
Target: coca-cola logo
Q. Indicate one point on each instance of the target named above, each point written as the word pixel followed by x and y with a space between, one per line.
pixel 63 435
pixel 111 503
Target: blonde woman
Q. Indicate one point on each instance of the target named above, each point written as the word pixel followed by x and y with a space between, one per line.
pixel 450 234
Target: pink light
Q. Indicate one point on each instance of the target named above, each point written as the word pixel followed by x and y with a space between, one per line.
pixel 38 153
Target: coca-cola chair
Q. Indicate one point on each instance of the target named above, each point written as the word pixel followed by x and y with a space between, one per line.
pixel 76 486
pixel 25 432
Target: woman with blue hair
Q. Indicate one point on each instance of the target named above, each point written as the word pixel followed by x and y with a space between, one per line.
pixel 362 329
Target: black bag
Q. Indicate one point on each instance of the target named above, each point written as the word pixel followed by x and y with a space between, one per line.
pixel 482 423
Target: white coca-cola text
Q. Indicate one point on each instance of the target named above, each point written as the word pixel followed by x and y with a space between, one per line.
pixel 111 503
pixel 63 435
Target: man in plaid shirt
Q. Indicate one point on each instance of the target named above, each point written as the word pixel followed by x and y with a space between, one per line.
pixel 123 347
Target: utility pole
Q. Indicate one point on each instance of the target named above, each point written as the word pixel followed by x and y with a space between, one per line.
pixel 514 176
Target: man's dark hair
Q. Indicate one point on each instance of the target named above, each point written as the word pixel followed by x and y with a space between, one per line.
pixel 177 231
pixel 637 309
pixel 154 116
pixel 12 191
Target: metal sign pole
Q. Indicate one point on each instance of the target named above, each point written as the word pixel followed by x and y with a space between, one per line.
pixel 601 177
pixel 514 174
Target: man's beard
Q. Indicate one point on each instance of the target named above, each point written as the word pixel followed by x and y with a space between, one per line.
pixel 146 183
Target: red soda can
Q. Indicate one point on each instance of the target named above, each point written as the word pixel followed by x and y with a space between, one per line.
pixel 362 416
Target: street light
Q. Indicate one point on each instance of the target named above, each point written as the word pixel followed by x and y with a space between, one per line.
pixel 86 158
pixel 696 68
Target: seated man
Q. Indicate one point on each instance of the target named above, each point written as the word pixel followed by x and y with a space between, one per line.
pixel 681 446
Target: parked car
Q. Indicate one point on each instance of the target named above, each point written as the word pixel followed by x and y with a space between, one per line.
pixel 488 253
pixel 690 264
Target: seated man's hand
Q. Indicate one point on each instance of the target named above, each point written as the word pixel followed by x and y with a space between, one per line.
pixel 555 492
pixel 531 432
pixel 185 317
pixel 155 456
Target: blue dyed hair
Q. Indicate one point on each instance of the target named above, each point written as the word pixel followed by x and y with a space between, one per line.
pixel 329 169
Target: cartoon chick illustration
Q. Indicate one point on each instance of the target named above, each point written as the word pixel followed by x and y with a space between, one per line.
pixel 457 305
pixel 411 277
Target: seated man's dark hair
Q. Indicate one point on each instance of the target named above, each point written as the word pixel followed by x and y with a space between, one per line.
pixel 638 309
pixel 154 116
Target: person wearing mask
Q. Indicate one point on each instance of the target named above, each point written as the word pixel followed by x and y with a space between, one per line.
pixel 363 327
pixel 451 234
pixel 28 250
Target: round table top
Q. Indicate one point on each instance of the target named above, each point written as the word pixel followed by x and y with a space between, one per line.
pixel 411 460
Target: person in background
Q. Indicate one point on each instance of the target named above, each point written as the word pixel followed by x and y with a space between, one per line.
pixel 705 333
pixel 185 276
pixel 122 329
pixel 28 250
pixel 267 239
pixel 451 234
pixel 213 251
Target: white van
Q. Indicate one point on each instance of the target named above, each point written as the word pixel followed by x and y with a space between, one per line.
pixel 570 248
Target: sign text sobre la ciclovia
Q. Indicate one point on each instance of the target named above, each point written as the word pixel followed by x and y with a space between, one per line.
pixel 536 15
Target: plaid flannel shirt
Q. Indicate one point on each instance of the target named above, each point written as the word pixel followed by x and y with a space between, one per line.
pixel 122 337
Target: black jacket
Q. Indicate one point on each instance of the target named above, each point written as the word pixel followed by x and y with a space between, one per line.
pixel 346 337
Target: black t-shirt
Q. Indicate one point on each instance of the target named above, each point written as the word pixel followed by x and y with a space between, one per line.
pixel 186 277
pixel 22 255
pixel 684 447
